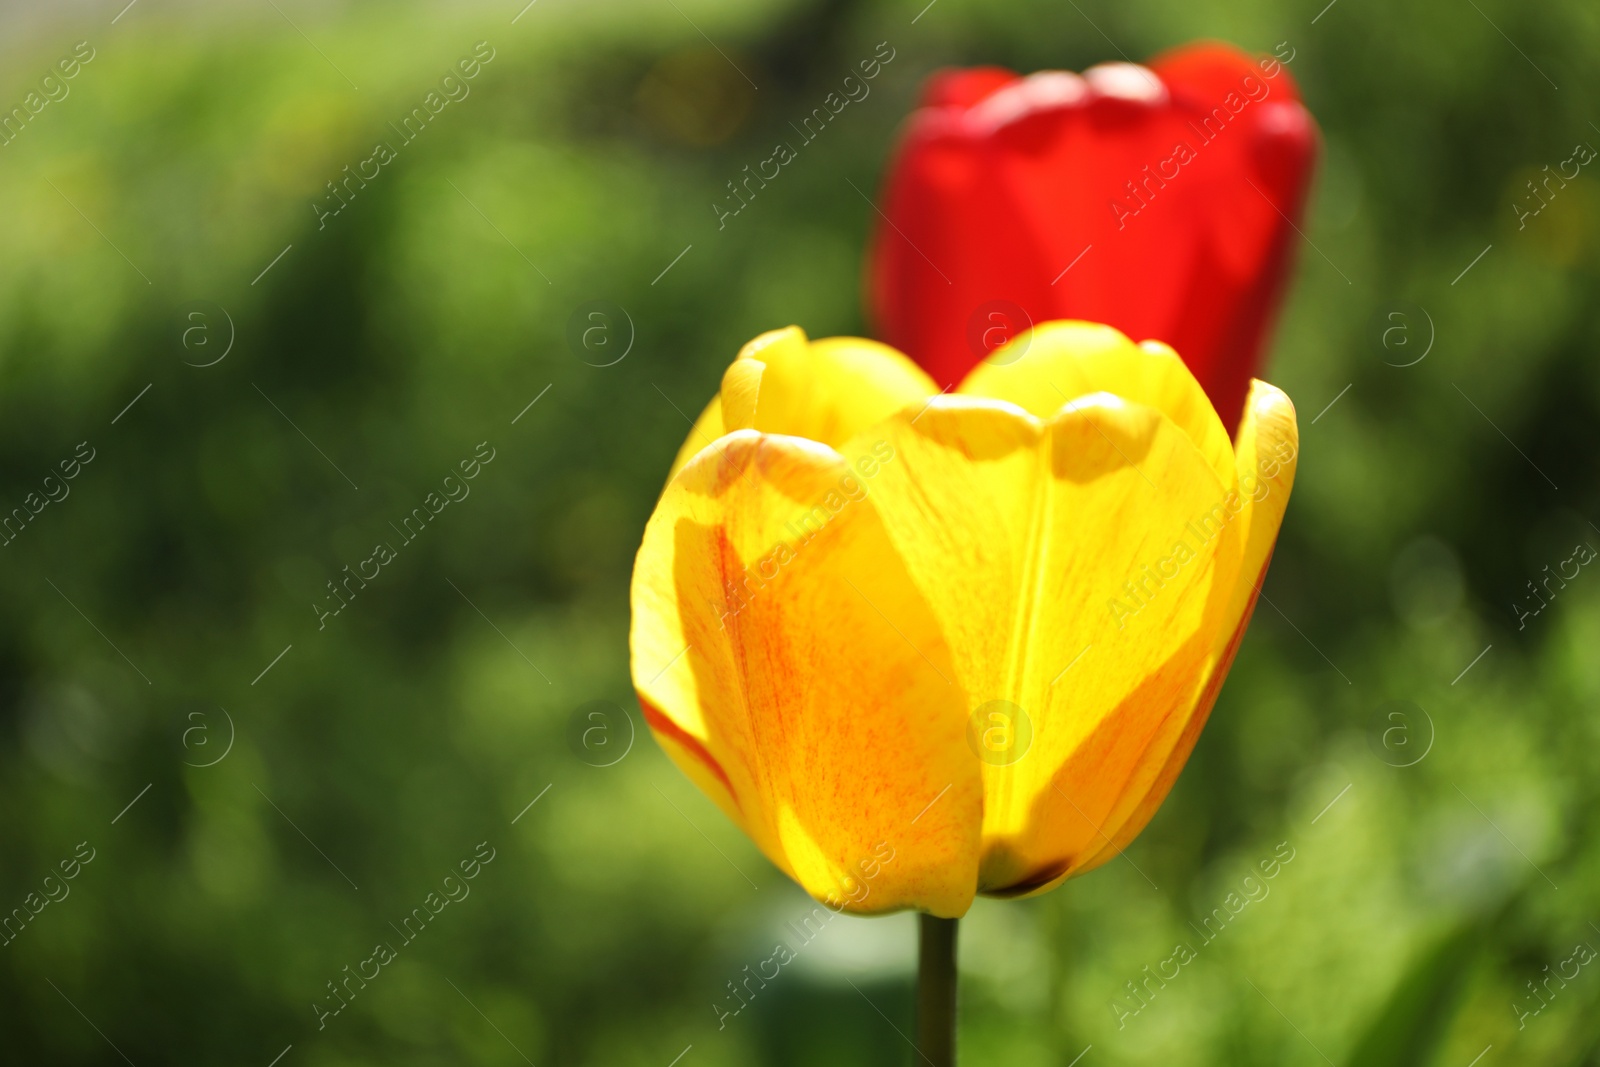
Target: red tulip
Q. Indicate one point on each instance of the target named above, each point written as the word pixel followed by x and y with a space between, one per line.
pixel 1162 201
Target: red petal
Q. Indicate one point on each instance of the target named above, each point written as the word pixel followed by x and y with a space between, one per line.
pixel 1010 181
pixel 658 721
pixel 955 87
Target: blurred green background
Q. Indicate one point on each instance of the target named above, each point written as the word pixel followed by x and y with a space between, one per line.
pixel 1442 859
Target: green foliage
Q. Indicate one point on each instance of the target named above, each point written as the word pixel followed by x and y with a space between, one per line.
pixel 387 741
pixel 1419 1009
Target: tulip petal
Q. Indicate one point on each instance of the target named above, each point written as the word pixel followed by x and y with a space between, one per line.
pixel 1060 361
pixel 1081 569
pixel 963 88
pixel 1268 447
pixel 1162 200
pixel 826 391
pixel 704 433
pixel 788 663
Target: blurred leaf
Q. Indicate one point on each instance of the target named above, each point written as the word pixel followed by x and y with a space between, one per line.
pixel 1409 1027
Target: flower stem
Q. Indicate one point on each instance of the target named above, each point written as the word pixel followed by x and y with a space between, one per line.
pixel 936 990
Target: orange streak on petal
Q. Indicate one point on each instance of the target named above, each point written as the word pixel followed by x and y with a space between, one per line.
pixel 661 724
pixel 1186 741
pixel 1048 875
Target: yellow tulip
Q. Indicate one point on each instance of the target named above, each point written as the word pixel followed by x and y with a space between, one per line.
pixel 920 646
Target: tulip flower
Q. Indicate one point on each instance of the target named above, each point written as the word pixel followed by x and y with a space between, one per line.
pixel 921 646
pixel 1161 200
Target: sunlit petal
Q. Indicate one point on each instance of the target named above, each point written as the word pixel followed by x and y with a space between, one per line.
pixel 826 391
pixel 1101 541
pixel 1061 361
pixel 789 664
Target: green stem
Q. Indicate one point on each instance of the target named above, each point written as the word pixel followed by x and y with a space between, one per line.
pixel 936 990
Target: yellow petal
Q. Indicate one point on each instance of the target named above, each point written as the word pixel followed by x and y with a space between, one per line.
pixel 740 400
pixel 741 391
pixel 1068 358
pixel 703 434
pixel 1078 574
pixel 1268 448
pixel 1060 361
pixel 1268 451
pixel 790 666
pixel 826 391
